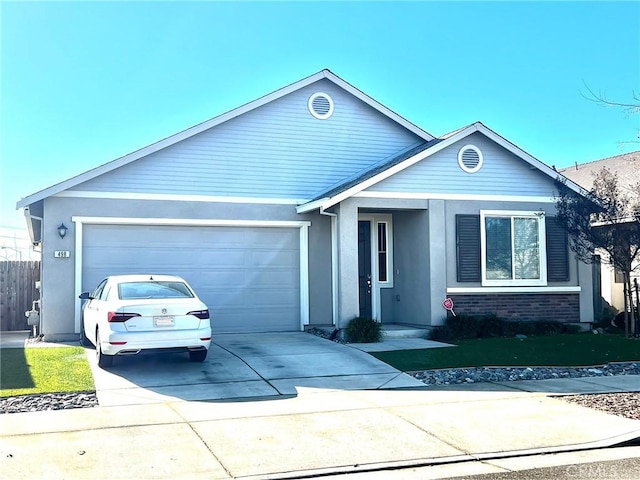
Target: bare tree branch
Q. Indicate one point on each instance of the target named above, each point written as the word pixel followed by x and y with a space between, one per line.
pixel 601 98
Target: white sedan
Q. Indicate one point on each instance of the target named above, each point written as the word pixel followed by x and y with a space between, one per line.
pixel 126 314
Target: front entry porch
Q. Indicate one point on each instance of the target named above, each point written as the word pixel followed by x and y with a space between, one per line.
pixel 391 263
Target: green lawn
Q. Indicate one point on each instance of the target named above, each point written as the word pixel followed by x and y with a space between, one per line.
pixel 25 371
pixel 555 350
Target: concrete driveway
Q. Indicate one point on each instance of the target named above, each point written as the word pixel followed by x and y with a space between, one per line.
pixel 245 366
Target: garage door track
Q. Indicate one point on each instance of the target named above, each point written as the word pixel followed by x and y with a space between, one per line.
pixel 245 366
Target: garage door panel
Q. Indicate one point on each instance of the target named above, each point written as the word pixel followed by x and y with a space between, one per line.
pixel 274 258
pixel 223 257
pixel 284 279
pixel 224 279
pixel 266 298
pixel 258 321
pixel 249 277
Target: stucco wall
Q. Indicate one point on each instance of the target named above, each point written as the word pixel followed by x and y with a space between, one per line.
pixel 410 296
pixel 58 283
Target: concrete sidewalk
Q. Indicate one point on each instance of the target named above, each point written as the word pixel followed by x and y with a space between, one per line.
pixel 317 431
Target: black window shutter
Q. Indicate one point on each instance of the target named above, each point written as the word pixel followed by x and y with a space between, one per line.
pixel 557 251
pixel 468 248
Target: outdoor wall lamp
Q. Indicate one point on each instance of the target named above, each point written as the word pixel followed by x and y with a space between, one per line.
pixel 62 230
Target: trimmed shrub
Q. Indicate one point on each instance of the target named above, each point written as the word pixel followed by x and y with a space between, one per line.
pixel 547 327
pixel 606 317
pixel 464 327
pixel 491 326
pixel 441 334
pixel 364 330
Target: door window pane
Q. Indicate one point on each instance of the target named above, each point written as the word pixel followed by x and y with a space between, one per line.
pixel 382 252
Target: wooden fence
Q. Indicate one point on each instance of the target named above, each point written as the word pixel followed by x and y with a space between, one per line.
pixel 17 293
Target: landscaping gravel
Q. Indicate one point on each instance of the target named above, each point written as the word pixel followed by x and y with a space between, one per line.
pixel 622 404
pixel 452 376
pixel 48 401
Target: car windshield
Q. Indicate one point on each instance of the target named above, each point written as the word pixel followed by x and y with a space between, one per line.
pixel 153 289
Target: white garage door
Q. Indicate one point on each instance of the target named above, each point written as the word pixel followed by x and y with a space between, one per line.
pixel 248 276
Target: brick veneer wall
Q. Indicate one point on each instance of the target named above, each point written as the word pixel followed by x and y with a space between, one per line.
pixel 564 307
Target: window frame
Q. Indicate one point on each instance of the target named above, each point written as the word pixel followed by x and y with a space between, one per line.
pixel 542 247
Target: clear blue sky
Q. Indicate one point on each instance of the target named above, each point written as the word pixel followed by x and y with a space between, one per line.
pixel 84 83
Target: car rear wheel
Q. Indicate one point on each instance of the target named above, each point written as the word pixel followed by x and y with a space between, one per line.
pixel 198 355
pixel 104 361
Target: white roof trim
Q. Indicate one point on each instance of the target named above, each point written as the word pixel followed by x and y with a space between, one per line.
pixel 455 196
pixel 177 198
pixel 449 140
pixel 154 147
pixel 308 207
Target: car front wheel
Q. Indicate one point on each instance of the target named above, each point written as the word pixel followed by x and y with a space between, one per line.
pixel 104 361
pixel 198 355
pixel 84 340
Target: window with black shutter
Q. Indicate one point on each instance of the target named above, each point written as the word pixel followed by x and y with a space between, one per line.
pixel 557 251
pixel 468 248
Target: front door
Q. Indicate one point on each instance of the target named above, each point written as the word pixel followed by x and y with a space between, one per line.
pixel 364 267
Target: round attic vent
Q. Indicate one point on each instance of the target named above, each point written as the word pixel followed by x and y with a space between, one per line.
pixel 470 158
pixel 320 105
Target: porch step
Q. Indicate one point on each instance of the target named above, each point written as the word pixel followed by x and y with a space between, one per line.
pixel 392 330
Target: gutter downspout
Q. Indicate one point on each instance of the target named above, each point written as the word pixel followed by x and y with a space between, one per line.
pixel 34 244
pixel 334 268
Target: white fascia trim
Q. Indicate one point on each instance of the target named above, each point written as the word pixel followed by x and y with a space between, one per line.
pixel 304 248
pixel 175 198
pixel 454 196
pixel 477 290
pixel 316 204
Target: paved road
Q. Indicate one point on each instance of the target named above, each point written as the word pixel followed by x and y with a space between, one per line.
pixel 621 463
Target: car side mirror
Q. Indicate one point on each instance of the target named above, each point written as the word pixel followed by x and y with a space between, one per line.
pixel 85 296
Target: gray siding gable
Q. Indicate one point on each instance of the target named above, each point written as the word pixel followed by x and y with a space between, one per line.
pixel 502 173
pixel 278 150
pixel 376 169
